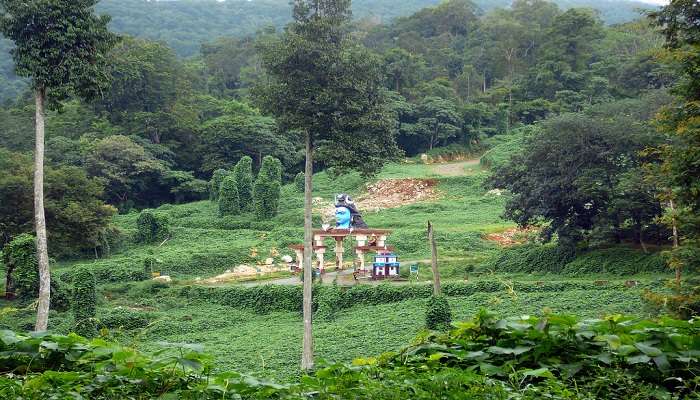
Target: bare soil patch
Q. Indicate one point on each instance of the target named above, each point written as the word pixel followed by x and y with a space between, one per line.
pixel 511 237
pixel 393 193
pixel 455 168
pixel 384 194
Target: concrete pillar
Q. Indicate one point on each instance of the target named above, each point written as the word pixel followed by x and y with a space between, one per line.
pixel 319 257
pixel 361 259
pixel 339 250
pixel 361 240
pixel 300 258
pixel 381 240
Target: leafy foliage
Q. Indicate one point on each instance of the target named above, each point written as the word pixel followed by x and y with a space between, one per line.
pixel 74 60
pixel 299 182
pixel 438 315
pixel 215 183
pixel 84 302
pixel 557 259
pixel 526 357
pixel 229 199
pixel 124 319
pixel 152 226
pixel 574 175
pixel 266 192
pixel 21 270
pixel 243 173
pixel 77 219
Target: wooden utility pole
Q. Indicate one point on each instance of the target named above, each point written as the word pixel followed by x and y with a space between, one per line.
pixel 434 261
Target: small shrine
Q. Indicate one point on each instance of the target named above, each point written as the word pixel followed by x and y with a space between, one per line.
pixel 386 265
pixel 349 224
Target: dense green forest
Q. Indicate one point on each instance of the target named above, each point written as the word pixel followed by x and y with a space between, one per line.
pixel 185 24
pixel 552 145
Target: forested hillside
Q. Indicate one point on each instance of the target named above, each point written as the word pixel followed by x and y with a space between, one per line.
pixel 224 198
pixel 185 24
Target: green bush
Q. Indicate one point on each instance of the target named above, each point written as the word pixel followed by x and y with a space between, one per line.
pixel 60 295
pixel 438 315
pixel 270 298
pixel 229 202
pixel 124 318
pixel 329 300
pixel 243 173
pixel 215 183
pixel 109 273
pixel 299 182
pixel 84 302
pixel 617 261
pixel 551 258
pixel 266 192
pixel 503 147
pixel 529 258
pixel 152 226
pixel 21 267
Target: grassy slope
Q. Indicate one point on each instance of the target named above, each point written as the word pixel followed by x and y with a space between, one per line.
pixel 268 345
pixel 205 245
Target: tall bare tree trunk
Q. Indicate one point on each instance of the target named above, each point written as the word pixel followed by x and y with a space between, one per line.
pixel 42 313
pixel 307 356
pixel 434 260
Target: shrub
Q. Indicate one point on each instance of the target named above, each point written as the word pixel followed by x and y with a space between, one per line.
pixel 438 315
pixel 60 295
pixel 84 302
pixel 329 302
pixel 152 226
pixel 124 318
pixel 229 202
pixel 299 182
pixel 109 273
pixel 215 183
pixel 266 192
pixel 21 267
pixel 243 173
pixel 530 258
pixel 616 260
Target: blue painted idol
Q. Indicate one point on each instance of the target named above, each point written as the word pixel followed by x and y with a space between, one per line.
pixel 342 218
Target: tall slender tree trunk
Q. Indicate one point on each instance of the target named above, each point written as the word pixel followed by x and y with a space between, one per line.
pixel 307 355
pixel 42 313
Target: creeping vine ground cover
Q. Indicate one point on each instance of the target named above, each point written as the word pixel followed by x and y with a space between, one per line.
pixel 553 356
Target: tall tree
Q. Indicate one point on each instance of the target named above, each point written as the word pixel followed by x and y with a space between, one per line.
pixel 680 22
pixel 61 46
pixel 322 84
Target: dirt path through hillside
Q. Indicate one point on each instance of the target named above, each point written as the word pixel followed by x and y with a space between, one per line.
pixel 456 168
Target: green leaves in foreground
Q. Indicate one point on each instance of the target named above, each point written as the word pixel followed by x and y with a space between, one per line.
pixel 554 356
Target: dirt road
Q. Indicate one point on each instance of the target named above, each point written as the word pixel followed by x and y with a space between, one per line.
pixel 457 168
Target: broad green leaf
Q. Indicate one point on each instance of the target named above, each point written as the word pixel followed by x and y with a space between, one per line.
pixel 541 372
pixel 648 350
pixel 515 351
pixel 640 359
